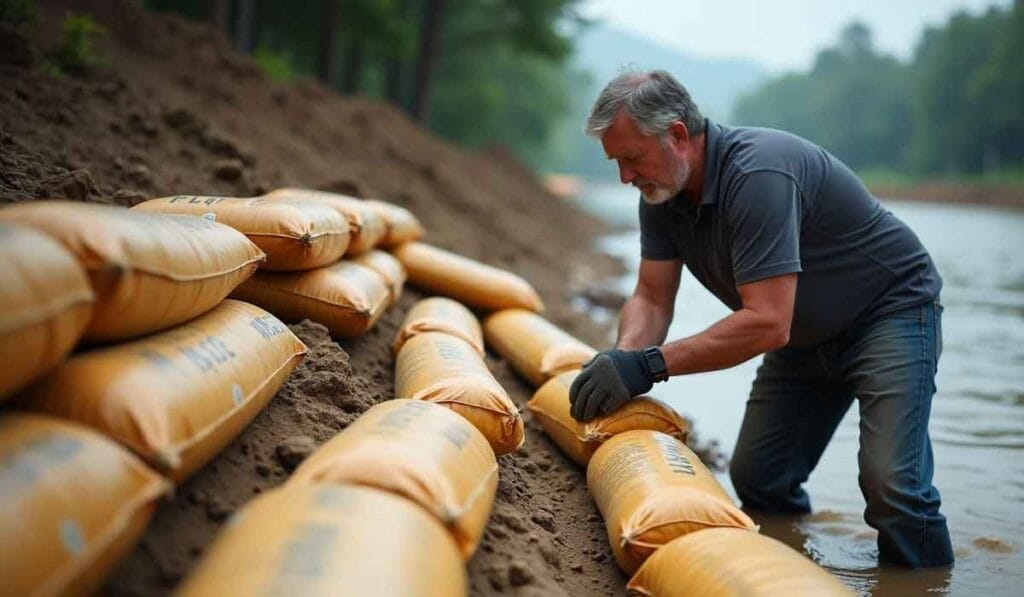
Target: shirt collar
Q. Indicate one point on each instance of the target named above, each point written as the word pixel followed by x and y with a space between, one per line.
pixel 712 136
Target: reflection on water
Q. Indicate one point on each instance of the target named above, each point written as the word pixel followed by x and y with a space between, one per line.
pixel 977 423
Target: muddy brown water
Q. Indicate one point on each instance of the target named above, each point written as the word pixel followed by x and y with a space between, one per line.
pixel 977 423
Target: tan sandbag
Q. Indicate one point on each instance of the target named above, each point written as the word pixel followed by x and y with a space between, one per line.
pixel 149 272
pixel 367 226
pixel 536 348
pixel 388 267
pixel 550 406
pixel 446 370
pixel 650 489
pixel 45 305
pixel 346 297
pixel 330 541
pixel 468 281
pixel 732 563
pixel 295 236
pixel 439 314
pixel 74 504
pixel 421 451
pixel 402 224
pixel 178 397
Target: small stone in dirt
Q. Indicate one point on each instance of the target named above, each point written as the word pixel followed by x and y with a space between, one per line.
pixel 294 450
pixel 229 170
pixel 128 197
pixel 599 557
pixel 496 578
pixel 217 510
pixel 262 469
pixel 513 522
pixel 546 521
pixel 519 574
pixel 593 518
pixel 577 568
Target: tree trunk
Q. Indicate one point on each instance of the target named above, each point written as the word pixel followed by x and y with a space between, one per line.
pixel 430 42
pixel 219 11
pixel 245 26
pixel 355 57
pixel 395 67
pixel 327 60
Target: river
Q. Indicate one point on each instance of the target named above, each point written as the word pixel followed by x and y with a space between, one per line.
pixel 977 423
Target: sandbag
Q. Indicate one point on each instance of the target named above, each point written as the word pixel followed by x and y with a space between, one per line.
pixel 402 225
pixel 550 406
pixel 388 268
pixel 732 563
pixel 45 305
pixel 439 314
pixel 178 397
pixel 346 297
pixel 149 272
pixel 468 281
pixel 295 236
pixel 421 451
pixel 72 505
pixel 367 226
pixel 651 489
pixel 330 540
pixel 446 370
pixel 536 348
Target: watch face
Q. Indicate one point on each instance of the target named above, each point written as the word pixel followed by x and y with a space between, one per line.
pixel 656 363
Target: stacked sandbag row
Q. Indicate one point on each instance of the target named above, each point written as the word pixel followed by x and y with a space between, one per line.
pixel 174 397
pixel 392 505
pixel 653 492
pixel 440 360
pixel 305 235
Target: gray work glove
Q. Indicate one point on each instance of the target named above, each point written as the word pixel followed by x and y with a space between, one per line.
pixel 608 381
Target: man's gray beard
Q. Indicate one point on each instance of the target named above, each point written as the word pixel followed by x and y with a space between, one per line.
pixel 663 194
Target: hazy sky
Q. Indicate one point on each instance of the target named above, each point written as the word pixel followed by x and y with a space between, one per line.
pixel 780 34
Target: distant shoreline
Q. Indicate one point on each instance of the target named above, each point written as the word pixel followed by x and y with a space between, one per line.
pixel 944 191
pixel 936 190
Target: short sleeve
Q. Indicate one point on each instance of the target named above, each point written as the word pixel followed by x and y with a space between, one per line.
pixel 764 222
pixel 656 241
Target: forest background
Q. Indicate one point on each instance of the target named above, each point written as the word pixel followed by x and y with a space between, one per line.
pixel 522 74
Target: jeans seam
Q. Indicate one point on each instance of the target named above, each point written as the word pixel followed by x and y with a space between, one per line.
pixel 917 431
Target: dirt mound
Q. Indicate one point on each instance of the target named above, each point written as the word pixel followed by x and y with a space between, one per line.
pixel 176 111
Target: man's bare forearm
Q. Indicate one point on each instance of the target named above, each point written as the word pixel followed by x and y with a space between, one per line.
pixel 738 338
pixel 642 323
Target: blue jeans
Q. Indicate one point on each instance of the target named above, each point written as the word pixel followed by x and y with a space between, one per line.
pixel 798 400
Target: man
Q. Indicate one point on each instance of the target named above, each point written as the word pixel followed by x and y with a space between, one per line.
pixel 837 293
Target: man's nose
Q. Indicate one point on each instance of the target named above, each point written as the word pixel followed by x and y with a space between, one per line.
pixel 626 175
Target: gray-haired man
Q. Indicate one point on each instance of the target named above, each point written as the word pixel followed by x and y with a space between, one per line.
pixel 839 295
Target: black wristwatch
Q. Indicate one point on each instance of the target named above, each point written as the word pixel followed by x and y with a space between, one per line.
pixel 656 363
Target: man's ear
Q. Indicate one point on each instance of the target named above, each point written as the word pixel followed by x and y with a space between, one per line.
pixel 678 132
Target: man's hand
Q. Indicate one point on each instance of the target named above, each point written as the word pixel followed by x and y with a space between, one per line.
pixel 607 382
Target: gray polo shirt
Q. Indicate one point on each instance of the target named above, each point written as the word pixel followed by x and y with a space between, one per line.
pixel 776 204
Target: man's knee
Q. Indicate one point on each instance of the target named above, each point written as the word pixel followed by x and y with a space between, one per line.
pixel 762 486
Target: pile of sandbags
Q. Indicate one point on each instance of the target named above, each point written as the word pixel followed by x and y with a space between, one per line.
pixel 392 505
pixel 170 371
pixel 322 258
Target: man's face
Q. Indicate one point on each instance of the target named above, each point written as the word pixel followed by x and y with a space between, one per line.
pixel 656 165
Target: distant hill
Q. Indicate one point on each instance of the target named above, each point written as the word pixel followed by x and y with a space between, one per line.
pixel 602 51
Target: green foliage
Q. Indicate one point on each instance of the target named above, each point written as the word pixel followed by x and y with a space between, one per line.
pixel 956 109
pixel 19 13
pixel 853 102
pixel 502 77
pixel 77 53
pixel 278 65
